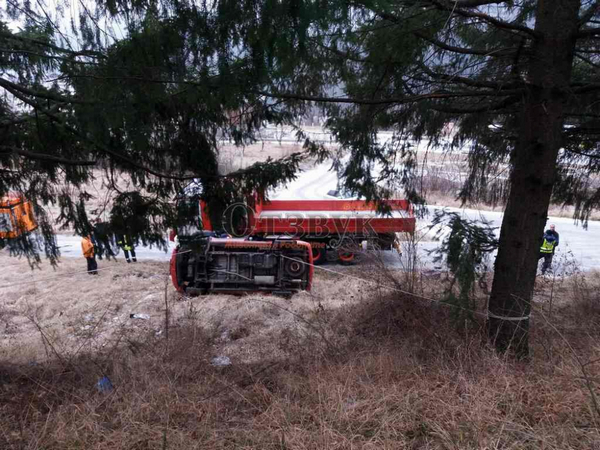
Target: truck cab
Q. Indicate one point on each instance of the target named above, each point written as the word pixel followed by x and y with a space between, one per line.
pixel 16 216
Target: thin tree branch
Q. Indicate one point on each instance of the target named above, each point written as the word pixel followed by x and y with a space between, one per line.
pixel 400 100
pixel 45 157
pixel 56 48
pixel 589 13
pixel 591 51
pixel 128 160
pixel 8 123
pixel 468 81
pixel 587 33
pixel 577 152
pixel 41 55
pixel 10 86
pixel 450 6
pixel 584 89
pixel 93 19
pixel 140 79
pixel 51 22
pixel 477 109
pixel 587 60
pixel 475 3
pixel 579 114
pixel 25 118
pixel 342 54
pixel 582 131
pixel 101 147
pixel 498 52
pixel 468 51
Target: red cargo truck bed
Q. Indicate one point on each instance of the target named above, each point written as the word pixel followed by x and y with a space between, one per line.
pixel 319 217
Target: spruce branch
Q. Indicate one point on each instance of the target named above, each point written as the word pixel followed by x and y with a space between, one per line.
pixel 13 87
pixel 442 95
pixel 45 157
pixel 451 6
pixel 497 52
pixel 589 13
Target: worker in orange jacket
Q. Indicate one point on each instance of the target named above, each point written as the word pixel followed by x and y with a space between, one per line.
pixel 88 252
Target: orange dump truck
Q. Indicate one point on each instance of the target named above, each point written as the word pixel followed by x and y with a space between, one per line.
pixel 16 216
pixel 329 226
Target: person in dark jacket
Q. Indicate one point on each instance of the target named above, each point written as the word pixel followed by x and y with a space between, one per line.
pixel 127 244
pixel 101 238
pixel 552 231
pixel 549 244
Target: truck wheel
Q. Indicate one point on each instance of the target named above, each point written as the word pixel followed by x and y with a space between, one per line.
pixel 319 255
pixel 346 257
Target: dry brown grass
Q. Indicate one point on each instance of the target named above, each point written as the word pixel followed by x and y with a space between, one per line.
pixel 350 366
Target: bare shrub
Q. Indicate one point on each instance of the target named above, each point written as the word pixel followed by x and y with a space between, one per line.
pixel 436 185
pixel 586 297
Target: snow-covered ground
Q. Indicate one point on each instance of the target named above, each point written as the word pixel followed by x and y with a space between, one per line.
pixel 312 184
pixel 70 246
pixel 578 246
pixel 288 135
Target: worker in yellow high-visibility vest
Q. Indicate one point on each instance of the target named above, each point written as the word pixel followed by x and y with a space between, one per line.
pixel 549 244
pixel 128 245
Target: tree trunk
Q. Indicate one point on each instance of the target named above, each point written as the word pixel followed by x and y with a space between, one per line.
pixel 534 172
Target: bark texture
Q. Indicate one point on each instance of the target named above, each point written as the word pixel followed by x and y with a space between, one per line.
pixel 534 173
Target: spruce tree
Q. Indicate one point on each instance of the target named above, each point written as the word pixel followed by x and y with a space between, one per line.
pixel 517 81
pixel 128 96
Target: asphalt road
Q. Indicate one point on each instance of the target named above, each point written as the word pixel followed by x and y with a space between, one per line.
pixel 579 247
